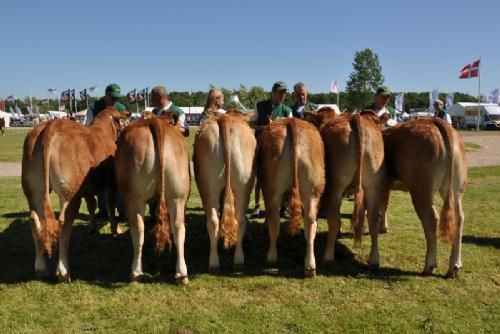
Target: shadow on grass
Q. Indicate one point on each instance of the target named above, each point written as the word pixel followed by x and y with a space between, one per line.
pixel 104 260
pixel 481 241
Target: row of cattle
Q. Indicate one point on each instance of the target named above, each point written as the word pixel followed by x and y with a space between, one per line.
pixel 307 162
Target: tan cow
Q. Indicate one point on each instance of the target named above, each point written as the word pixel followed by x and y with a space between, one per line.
pixel 424 156
pixel 152 166
pixel 224 165
pixel 291 159
pixel 74 161
pixel 354 151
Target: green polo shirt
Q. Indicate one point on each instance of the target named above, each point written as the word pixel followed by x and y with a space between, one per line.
pixel 307 107
pixel 265 109
pixel 100 105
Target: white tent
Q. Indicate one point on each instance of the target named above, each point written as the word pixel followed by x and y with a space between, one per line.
pixel 6 116
pixel 466 114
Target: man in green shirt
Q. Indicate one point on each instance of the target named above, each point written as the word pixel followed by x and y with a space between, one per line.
pixel 159 99
pixel 110 99
pixel 301 102
pixel 266 112
pixel 274 108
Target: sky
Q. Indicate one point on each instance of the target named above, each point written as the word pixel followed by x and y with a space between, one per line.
pixel 183 45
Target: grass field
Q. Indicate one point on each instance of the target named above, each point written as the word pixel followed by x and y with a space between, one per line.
pixel 342 298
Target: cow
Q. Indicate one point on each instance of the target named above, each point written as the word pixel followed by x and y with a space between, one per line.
pixel 152 166
pixel 424 156
pixel 354 154
pixel 290 157
pixel 74 161
pixel 2 125
pixel 224 165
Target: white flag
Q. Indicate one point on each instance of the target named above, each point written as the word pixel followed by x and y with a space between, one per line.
pixel 433 96
pixel 93 89
pixel 449 100
pixel 399 102
pixel 334 87
pixel 495 96
pixel 52 90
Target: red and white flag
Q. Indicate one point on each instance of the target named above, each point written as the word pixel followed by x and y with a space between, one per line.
pixel 470 70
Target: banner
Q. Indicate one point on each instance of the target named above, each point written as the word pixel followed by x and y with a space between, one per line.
pixel 52 90
pixel 65 95
pixel 334 87
pixel 131 96
pixel 449 100
pixel 399 102
pixel 495 96
pixel 83 95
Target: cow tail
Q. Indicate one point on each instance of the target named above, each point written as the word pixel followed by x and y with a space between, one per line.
pixel 161 230
pixel 295 201
pixel 359 209
pixel 49 229
pixel 447 221
pixel 229 224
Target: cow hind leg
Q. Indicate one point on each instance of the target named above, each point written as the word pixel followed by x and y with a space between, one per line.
pixel 41 270
pixel 422 202
pixel 333 219
pixel 70 211
pixel 310 227
pixel 135 212
pixel 374 225
pixel 273 225
pixel 110 206
pixel 179 231
pixel 240 207
pixel 455 262
pixel 213 232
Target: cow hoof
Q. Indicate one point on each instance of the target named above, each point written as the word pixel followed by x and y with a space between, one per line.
pixel 309 273
pixel 452 273
pixel 116 231
pixel 213 270
pixel 181 279
pixel 373 266
pixel 42 274
pixel 326 263
pixel 239 267
pixel 428 271
pixel 63 278
pixel 383 230
pixel 137 277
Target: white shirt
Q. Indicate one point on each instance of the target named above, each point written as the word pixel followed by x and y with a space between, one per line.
pixel 182 118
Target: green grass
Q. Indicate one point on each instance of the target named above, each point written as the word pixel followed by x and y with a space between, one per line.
pixel 11 145
pixel 342 298
pixel 471 147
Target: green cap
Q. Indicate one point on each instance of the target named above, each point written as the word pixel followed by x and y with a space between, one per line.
pixel 384 91
pixel 279 85
pixel 114 90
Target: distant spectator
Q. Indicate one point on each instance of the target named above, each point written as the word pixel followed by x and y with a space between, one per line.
pixel 111 98
pixel 213 106
pixel 301 104
pixel 159 99
pixel 441 112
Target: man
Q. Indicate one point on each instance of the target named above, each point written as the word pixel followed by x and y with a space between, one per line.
pixel 159 99
pixel 112 95
pixel 380 107
pixel 266 112
pixel 301 102
pixel 440 112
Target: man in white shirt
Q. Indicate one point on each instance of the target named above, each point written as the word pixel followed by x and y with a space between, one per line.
pixel 159 99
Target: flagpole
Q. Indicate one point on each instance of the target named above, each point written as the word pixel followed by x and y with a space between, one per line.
pixel 338 93
pixel 478 95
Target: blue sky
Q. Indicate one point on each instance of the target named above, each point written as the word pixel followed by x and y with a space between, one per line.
pixel 185 45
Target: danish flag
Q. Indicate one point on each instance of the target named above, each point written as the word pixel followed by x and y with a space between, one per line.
pixel 470 70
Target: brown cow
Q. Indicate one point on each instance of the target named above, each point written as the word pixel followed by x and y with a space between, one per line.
pixel 224 151
pixel 152 166
pixel 74 161
pixel 424 156
pixel 354 163
pixel 291 159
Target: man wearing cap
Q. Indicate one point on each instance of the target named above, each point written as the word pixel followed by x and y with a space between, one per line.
pixel 301 102
pixel 440 112
pixel 159 99
pixel 265 112
pixel 111 98
pixel 380 107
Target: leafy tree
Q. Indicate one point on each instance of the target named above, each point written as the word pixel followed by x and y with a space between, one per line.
pixel 364 80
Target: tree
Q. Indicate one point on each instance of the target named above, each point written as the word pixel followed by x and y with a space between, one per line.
pixel 364 80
